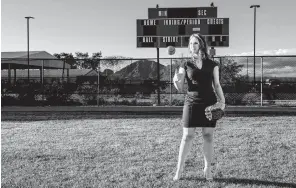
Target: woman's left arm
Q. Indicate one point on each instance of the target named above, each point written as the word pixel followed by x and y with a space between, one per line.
pixel 218 88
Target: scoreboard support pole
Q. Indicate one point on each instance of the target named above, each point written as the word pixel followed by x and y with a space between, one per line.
pixel 171 81
pixel 158 78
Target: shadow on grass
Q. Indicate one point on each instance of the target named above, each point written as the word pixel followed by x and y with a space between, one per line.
pixel 245 181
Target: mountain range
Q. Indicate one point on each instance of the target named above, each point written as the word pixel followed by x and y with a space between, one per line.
pixel 142 70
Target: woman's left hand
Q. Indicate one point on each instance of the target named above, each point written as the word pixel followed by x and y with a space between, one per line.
pixel 222 105
pixel 208 109
pixel 208 113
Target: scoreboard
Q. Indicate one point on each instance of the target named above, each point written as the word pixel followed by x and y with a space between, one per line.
pixel 173 27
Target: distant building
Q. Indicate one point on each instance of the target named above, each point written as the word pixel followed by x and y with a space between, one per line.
pixel 18 60
pixel 13 63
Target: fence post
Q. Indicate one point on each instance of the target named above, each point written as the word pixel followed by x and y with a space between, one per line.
pixel 14 76
pixel 68 78
pixel 98 92
pixel 247 69
pixel 9 75
pixel 158 77
pixel 42 82
pixel 261 81
pixel 63 69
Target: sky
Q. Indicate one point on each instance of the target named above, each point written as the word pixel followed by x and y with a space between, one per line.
pixel 109 26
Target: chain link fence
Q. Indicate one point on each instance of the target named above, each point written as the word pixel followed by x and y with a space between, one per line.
pixel 135 82
pixel 267 80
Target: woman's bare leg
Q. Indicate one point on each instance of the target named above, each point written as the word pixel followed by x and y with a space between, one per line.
pixel 186 143
pixel 208 134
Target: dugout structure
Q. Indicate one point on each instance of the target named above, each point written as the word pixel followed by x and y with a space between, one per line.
pixel 38 60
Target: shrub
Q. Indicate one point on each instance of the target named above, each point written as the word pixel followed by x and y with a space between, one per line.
pixel 133 102
pixel 92 102
pixel 154 98
pixel 234 98
pixel 88 92
pixel 27 94
pixel 76 99
pixel 56 93
pixel 7 100
pixel 251 98
pixel 177 102
pixel 125 102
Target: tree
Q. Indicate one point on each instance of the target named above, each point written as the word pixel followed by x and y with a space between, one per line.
pixel 229 71
pixel 86 62
pixel 81 60
pixel 68 57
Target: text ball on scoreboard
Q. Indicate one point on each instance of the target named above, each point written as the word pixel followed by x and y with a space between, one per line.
pixel 147 42
pixel 147 39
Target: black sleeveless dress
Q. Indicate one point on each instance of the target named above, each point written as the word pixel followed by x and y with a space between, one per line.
pixel 200 94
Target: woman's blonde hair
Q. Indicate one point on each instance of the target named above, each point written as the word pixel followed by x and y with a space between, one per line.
pixel 203 46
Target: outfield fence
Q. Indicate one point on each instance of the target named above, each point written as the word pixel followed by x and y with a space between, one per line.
pixel 272 81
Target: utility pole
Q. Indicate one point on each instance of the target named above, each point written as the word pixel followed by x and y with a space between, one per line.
pixel 28 56
pixel 255 6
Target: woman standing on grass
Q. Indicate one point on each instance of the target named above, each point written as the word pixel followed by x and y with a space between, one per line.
pixel 202 76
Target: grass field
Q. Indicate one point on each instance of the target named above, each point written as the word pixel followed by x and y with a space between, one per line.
pixel 142 152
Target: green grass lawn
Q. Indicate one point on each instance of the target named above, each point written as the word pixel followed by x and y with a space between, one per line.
pixel 142 152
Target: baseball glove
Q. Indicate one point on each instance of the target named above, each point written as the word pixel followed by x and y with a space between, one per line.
pixel 214 112
pixel 217 114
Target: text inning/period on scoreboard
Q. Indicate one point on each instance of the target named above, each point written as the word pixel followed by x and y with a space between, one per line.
pixel 176 32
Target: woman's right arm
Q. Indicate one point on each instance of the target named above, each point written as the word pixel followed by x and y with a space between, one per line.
pixel 179 79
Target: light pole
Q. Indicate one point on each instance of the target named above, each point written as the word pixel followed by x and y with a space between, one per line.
pixel 254 6
pixel 28 18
